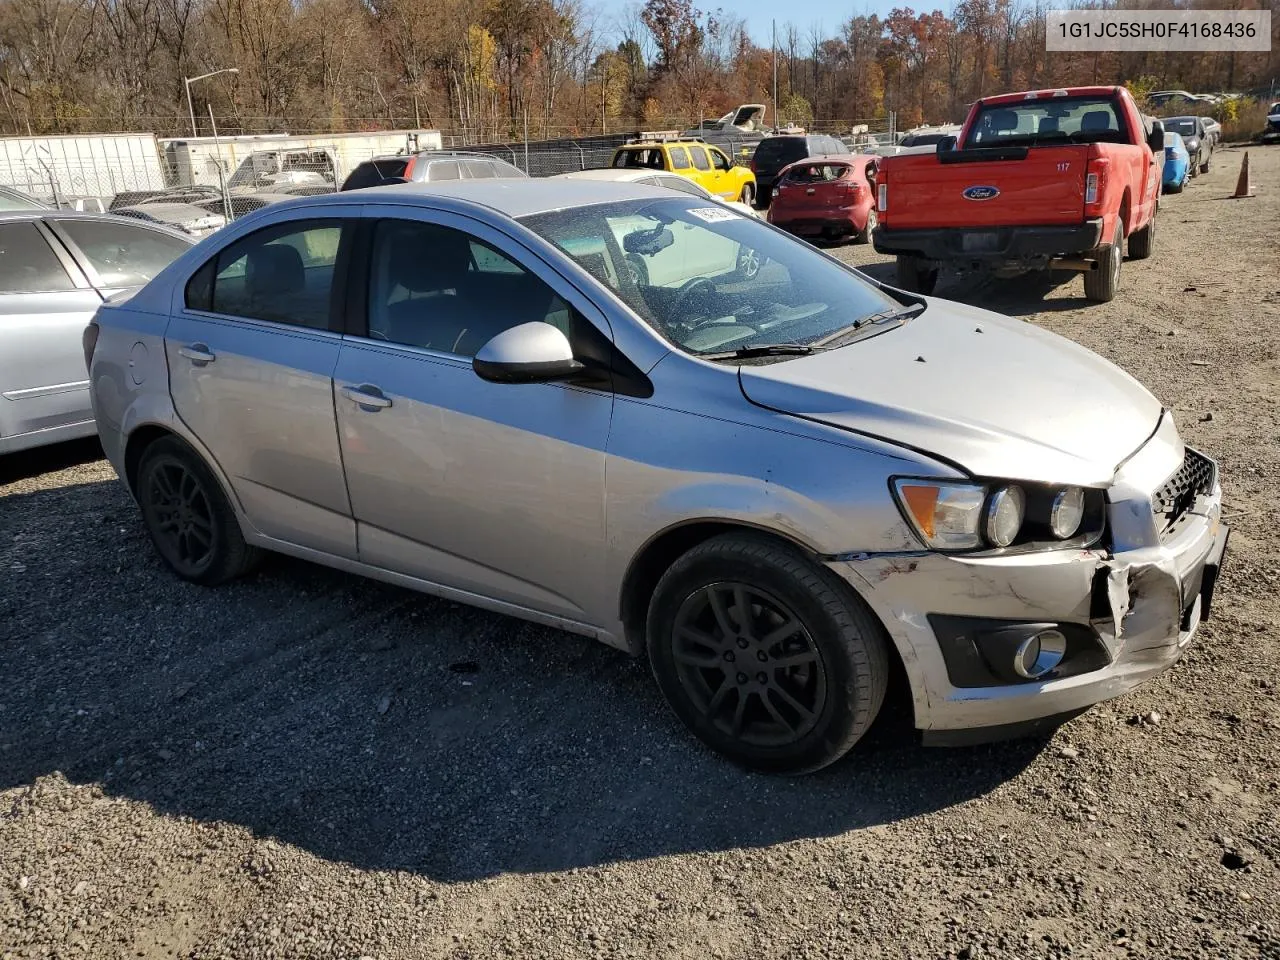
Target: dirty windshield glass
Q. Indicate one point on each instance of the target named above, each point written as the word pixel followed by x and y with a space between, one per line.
pixel 709 279
pixel 1048 120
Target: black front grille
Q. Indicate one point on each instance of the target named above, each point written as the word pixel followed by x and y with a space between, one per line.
pixel 1171 502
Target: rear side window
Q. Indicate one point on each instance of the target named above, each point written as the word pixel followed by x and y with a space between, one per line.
pixel 283 274
pixel 123 254
pixel 700 161
pixel 444 170
pixel 679 158
pixel 27 264
pixel 478 169
pixel 371 173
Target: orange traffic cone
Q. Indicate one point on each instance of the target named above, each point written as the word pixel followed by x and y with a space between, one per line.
pixel 1242 185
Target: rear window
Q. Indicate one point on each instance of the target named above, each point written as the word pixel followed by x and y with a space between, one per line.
pixel 817 172
pixel 645 158
pixel 371 173
pixel 775 153
pixel 1048 120
pixel 1183 125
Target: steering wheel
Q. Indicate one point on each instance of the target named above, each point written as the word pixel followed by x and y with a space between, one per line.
pixel 688 290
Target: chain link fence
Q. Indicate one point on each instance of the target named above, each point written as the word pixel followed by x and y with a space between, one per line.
pixel 230 176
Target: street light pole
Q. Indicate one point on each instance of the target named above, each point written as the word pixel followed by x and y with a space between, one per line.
pixel 188 81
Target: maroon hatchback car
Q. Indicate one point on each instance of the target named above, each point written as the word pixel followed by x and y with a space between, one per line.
pixel 831 198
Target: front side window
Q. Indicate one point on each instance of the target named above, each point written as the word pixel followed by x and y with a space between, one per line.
pixel 708 279
pixel 1048 120
pixel 123 254
pixel 27 265
pixel 441 289
pixel 719 160
pixel 283 274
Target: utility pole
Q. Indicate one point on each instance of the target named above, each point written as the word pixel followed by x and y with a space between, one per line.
pixel 774 27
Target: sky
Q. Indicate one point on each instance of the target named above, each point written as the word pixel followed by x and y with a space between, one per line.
pixel 758 13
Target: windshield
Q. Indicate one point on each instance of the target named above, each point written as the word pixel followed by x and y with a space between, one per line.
pixel 709 279
pixel 1183 125
pixel 1048 120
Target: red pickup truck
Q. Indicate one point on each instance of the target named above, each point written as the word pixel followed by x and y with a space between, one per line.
pixel 1050 178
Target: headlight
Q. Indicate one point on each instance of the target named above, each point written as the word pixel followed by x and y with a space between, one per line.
pixel 1005 511
pixel 946 515
pixel 1067 512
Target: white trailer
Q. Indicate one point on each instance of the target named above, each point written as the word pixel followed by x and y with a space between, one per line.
pixel 79 166
pixel 261 160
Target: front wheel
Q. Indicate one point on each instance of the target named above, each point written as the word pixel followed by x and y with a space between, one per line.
pixel 915 274
pixel 1142 242
pixel 767 657
pixel 1101 283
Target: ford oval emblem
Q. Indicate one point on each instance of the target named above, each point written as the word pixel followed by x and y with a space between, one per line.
pixel 981 193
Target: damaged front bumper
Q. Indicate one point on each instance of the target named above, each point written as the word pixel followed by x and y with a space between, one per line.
pixel 1127 613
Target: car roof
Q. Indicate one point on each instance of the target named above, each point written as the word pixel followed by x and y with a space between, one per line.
pixel 511 197
pixel 650 144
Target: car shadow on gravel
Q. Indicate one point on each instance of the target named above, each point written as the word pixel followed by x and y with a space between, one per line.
pixel 374 726
pixel 58 456
pixel 1018 296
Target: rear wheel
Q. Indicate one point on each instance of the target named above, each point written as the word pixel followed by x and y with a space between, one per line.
pixel 1174 187
pixel 767 657
pixel 748 194
pixel 1141 243
pixel 864 235
pixel 915 274
pixel 1193 167
pixel 1204 167
pixel 188 517
pixel 1101 283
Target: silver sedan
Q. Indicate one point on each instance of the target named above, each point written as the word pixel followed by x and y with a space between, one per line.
pixel 776 483
pixel 56 268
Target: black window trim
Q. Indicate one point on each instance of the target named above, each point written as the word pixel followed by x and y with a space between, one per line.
pixel 337 291
pixel 624 377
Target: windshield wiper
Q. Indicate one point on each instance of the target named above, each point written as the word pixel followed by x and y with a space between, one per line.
pixel 896 313
pixel 761 350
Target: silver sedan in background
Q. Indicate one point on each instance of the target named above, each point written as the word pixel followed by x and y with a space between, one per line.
pixel 774 481
pixel 56 268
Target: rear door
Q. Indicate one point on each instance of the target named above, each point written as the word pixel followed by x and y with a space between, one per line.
pixel 45 303
pixel 251 346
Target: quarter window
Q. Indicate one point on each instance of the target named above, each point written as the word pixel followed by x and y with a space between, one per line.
pixel 283 274
pixel 27 265
pixel 441 289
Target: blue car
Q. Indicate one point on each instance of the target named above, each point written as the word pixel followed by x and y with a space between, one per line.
pixel 1177 163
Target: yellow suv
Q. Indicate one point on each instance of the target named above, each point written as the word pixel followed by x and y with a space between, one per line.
pixel 708 166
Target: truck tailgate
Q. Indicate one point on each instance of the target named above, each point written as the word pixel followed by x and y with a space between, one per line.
pixel 1016 186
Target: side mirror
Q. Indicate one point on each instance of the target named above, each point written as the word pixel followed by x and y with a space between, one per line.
pixel 1155 139
pixel 946 143
pixel 534 352
pixel 648 243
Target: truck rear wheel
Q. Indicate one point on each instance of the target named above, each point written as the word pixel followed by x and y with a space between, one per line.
pixel 1101 283
pixel 916 275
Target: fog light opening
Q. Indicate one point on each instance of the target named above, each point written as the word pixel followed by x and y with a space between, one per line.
pixel 1039 654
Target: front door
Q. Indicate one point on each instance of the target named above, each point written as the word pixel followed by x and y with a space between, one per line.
pixel 251 356
pixel 45 304
pixel 495 489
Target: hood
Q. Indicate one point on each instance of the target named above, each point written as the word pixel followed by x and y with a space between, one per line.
pixel 1011 401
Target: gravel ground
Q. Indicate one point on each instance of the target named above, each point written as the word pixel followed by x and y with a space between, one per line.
pixel 305 764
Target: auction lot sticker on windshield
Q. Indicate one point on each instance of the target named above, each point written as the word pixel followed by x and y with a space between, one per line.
pixel 713 214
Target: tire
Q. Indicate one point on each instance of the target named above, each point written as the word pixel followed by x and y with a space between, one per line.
pixel 789 719
pixel 864 235
pixel 638 270
pixel 1100 284
pixel 174 487
pixel 1142 242
pixel 1193 167
pixel 915 275
pixel 748 195
pixel 1204 167
pixel 1174 187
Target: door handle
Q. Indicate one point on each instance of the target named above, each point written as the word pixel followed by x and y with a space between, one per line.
pixel 197 353
pixel 367 396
